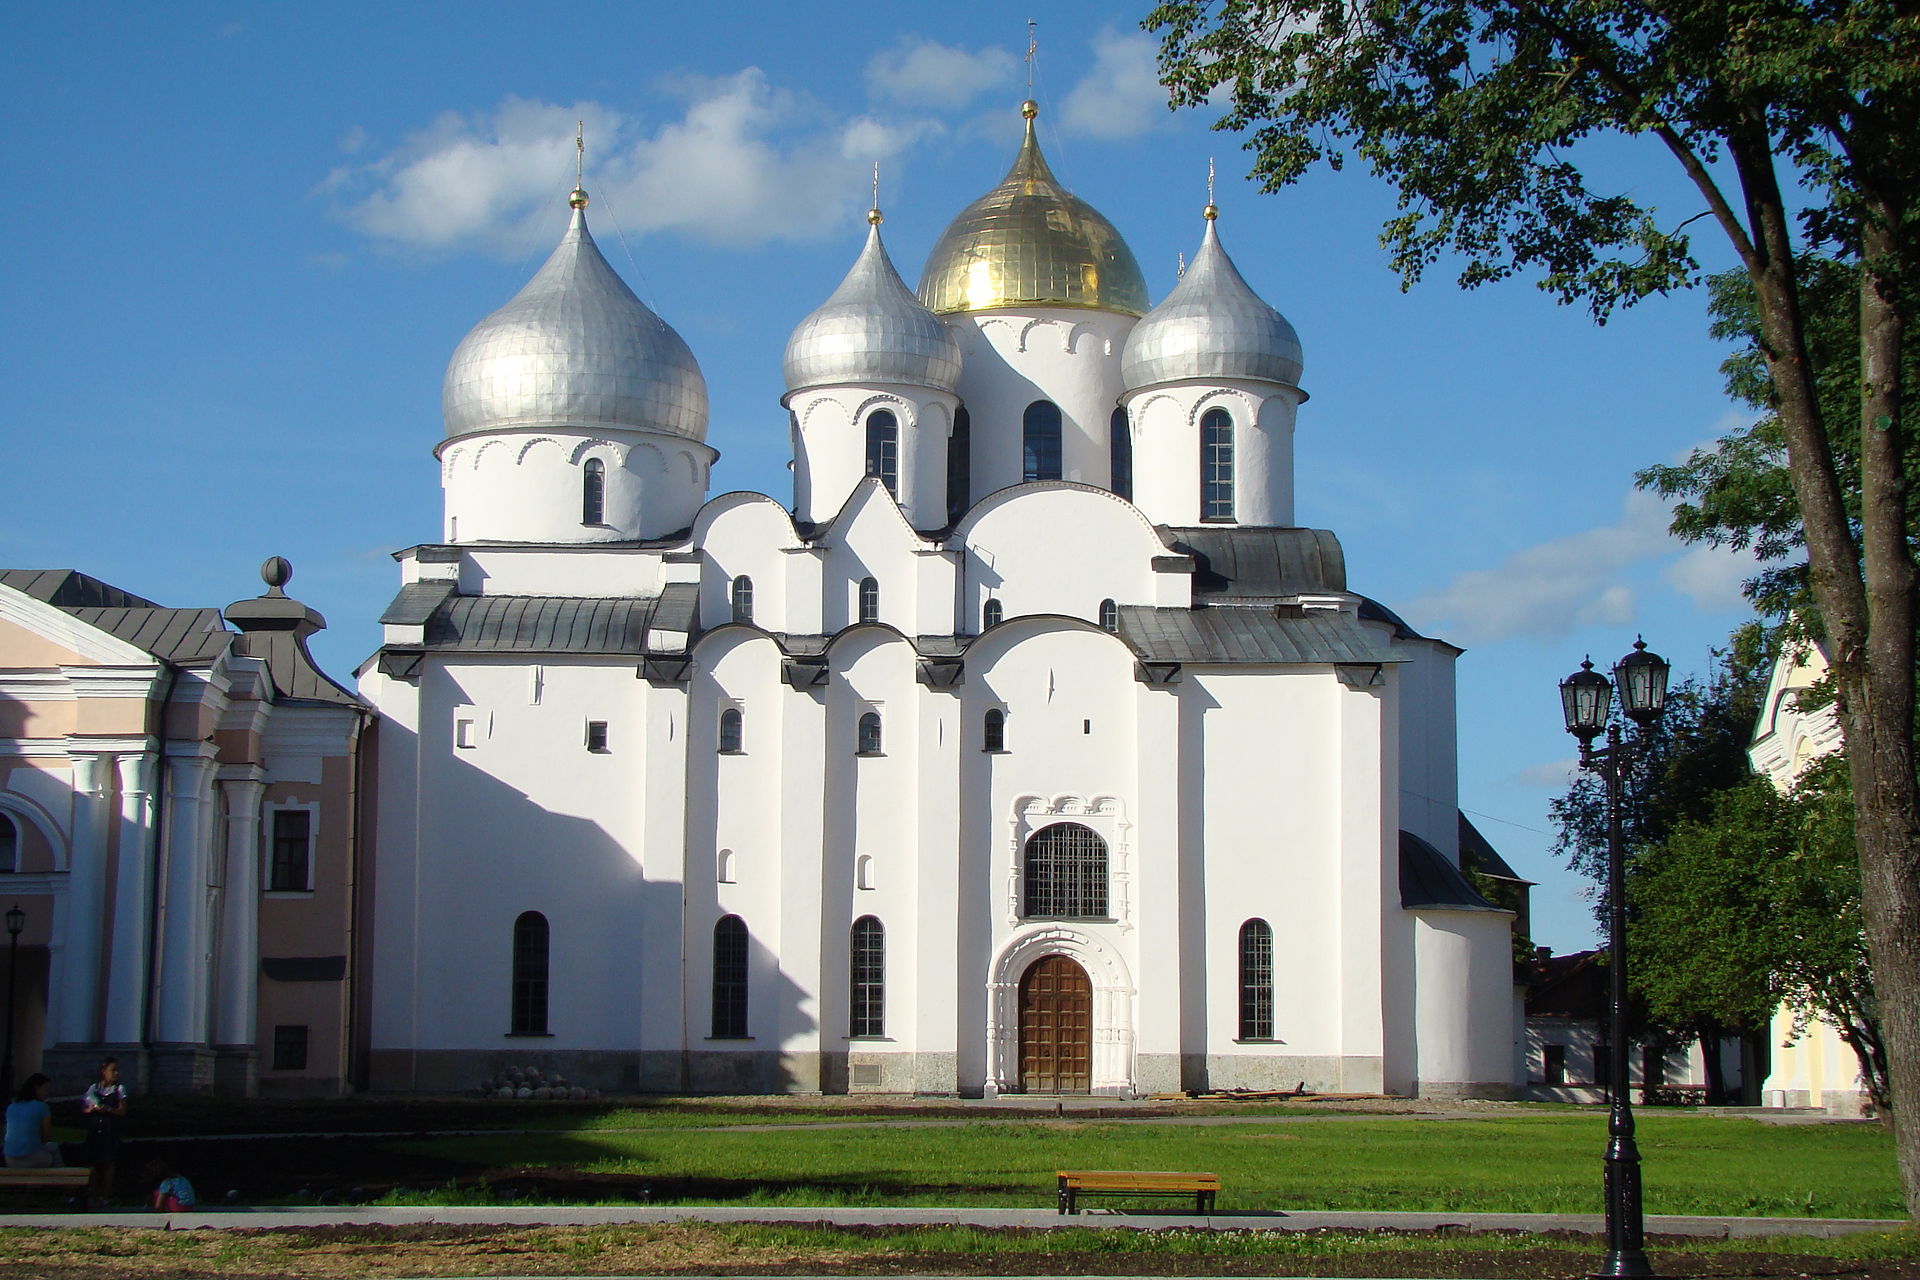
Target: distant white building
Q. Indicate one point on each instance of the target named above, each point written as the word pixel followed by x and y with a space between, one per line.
pixel 1032 748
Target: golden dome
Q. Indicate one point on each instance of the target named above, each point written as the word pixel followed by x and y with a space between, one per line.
pixel 1029 242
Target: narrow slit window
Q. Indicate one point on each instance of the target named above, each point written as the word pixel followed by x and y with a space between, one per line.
pixel 1109 616
pixel 868 985
pixel 1216 465
pixel 869 600
pixel 732 730
pixel 1256 980
pixel 1120 454
pixel 991 614
pixel 1040 441
pixel 883 449
pixel 742 599
pixel 993 730
pixel 529 975
pixel 730 978
pixel 869 738
pixel 959 465
pixel 593 492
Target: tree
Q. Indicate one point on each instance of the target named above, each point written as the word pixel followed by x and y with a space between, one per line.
pixel 1474 110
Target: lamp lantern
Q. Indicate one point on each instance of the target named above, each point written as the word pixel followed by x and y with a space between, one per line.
pixel 1586 698
pixel 1642 677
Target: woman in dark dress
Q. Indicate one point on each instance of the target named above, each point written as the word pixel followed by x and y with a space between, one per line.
pixel 104 1106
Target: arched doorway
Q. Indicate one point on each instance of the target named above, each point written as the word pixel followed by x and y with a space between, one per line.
pixel 1056 1027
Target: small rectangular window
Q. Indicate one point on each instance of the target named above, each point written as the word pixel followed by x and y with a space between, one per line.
pixel 290 1048
pixel 465 736
pixel 597 736
pixel 1555 1066
pixel 291 870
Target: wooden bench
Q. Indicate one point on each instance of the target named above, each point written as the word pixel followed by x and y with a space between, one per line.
pixel 73 1178
pixel 1203 1187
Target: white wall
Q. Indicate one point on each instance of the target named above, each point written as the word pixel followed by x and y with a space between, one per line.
pixel 525 485
pixel 1165 420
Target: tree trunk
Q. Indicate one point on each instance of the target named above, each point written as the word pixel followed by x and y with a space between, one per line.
pixel 1710 1059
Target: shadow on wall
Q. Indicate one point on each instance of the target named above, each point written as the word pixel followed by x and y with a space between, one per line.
pixel 602 996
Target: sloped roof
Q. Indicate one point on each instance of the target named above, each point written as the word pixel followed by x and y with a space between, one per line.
pixel 1261 563
pixel 1249 635
pixel 181 636
pixel 1477 852
pixel 1430 881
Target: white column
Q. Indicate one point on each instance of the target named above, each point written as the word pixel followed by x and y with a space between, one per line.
pixel 238 988
pixel 182 979
pixel 132 902
pixel 76 964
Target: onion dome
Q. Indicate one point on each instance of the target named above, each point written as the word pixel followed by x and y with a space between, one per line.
pixel 1029 242
pixel 872 330
pixel 1213 325
pixel 574 348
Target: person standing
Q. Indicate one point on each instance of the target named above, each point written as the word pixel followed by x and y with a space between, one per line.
pixel 29 1140
pixel 105 1107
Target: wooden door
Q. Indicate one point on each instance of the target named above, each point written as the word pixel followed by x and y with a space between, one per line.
pixel 1056 1027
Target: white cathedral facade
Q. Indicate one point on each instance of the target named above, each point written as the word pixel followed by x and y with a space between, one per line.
pixel 1031 747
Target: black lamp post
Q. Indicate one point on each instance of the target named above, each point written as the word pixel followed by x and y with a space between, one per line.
pixel 16 921
pixel 1586 697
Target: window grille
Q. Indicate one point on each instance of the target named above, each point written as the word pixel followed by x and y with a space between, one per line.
pixel 732 729
pixel 993 731
pixel 991 613
pixel 1120 454
pixel 1065 873
pixel 743 599
pixel 292 868
pixel 730 979
pixel 869 744
pixel 529 975
pixel 9 845
pixel 868 988
pixel 1216 465
pixel 593 492
pixel 1040 441
pixel 869 600
pixel 289 1048
pixel 883 449
pixel 1109 616
pixel 959 465
pixel 1256 980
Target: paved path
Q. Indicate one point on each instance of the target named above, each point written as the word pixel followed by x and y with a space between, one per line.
pixel 595 1215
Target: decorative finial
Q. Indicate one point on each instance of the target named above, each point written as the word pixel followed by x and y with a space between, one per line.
pixel 1033 47
pixel 276 572
pixel 578 198
pixel 1212 210
pixel 874 218
pixel 1029 109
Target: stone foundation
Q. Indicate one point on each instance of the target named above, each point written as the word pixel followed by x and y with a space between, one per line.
pixel 181 1069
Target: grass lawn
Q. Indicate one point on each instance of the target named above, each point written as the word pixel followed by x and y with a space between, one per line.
pixel 1546 1162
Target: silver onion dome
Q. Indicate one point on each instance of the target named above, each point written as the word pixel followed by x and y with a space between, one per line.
pixel 872 330
pixel 574 347
pixel 1213 325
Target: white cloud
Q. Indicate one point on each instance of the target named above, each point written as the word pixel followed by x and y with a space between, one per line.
pixel 1711 577
pixel 1121 95
pixel 1548 589
pixel 742 164
pixel 1552 775
pixel 922 72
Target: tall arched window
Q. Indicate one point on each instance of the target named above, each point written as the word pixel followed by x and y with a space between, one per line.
pixel 1120 453
pixel 593 492
pixel 1256 980
pixel 529 975
pixel 742 597
pixel 991 613
pixel 732 729
pixel 869 600
pixel 867 990
pixel 1216 465
pixel 959 465
pixel 1040 441
pixel 993 730
pixel 869 744
pixel 1109 616
pixel 730 978
pixel 883 449
pixel 9 845
pixel 1064 872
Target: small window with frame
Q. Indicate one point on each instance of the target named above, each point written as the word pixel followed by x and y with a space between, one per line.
pixel 290 1048
pixel 597 737
pixel 291 867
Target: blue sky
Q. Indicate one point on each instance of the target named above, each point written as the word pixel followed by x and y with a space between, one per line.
pixel 244 240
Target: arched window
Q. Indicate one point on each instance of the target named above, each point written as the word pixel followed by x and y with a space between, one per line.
pixel 9 845
pixel 732 729
pixel 868 988
pixel 530 975
pixel 991 613
pixel 1109 616
pixel 869 734
pixel 993 730
pixel 1256 980
pixel 1040 441
pixel 883 449
pixel 1216 465
pixel 959 465
pixel 1120 453
pixel 593 492
pixel 869 600
pixel 1065 872
pixel 742 597
pixel 730 978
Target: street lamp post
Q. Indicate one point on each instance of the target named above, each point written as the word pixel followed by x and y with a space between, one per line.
pixel 1586 698
pixel 16 921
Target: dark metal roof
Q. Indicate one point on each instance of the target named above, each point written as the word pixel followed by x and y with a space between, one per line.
pixel 1478 853
pixel 68 589
pixel 1429 880
pixel 679 608
pixel 1260 562
pixel 416 603
pixel 541 624
pixel 173 635
pixel 1248 635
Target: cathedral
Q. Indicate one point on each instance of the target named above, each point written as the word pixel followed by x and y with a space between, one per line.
pixel 1028 746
